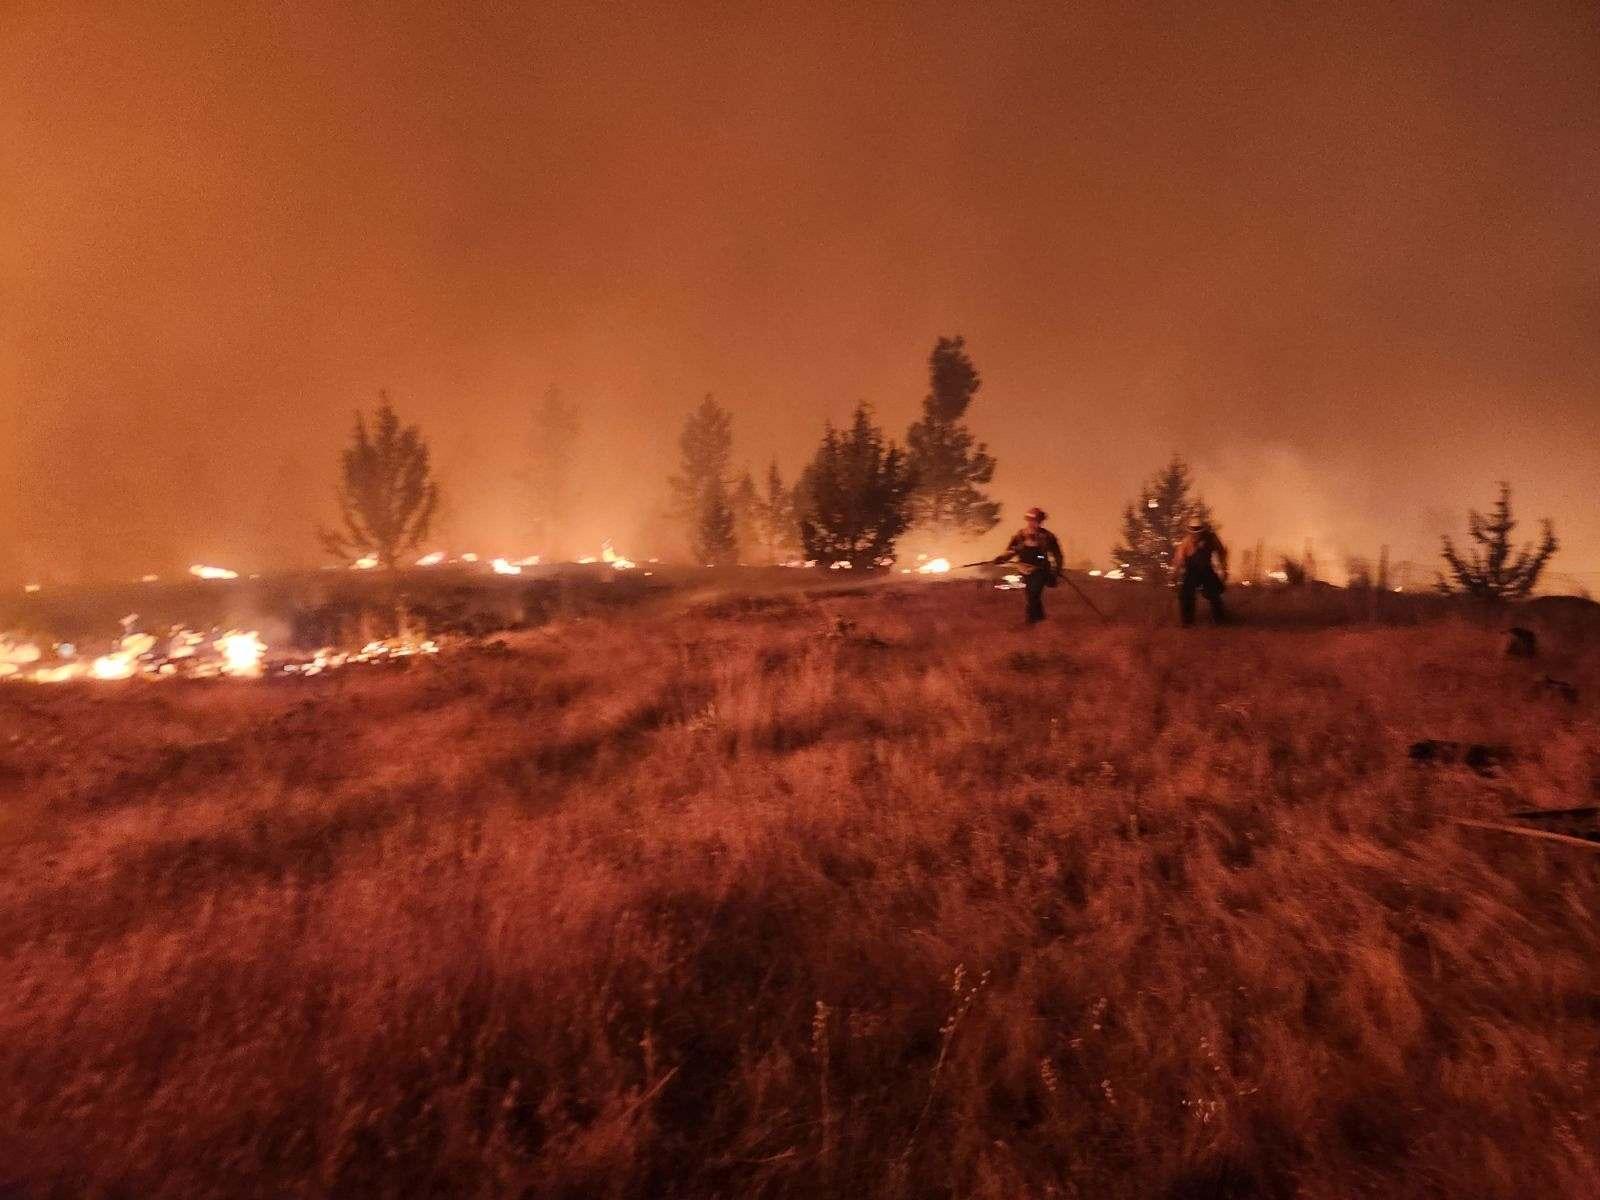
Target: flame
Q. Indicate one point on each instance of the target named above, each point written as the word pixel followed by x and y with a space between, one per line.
pixel 125 660
pixel 502 567
pixel 328 659
pixel 111 666
pixel 842 564
pixel 150 579
pixel 241 653
pixel 30 588
pixel 610 557
pixel 365 563
pixel 203 572
pixel 935 566
pixel 431 560
pixel 18 652
pixel 1279 576
pixel 469 558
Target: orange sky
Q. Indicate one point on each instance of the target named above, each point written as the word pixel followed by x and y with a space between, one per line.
pixel 1343 256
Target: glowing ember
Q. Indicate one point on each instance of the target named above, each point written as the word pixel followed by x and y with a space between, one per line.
pixel 1278 576
pixel 608 555
pixel 365 563
pixel 935 566
pixel 841 565
pixel 469 558
pixel 203 572
pixel 150 579
pixel 431 560
pixel 30 587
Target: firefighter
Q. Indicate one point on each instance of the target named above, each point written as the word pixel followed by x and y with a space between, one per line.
pixel 1200 565
pixel 1038 558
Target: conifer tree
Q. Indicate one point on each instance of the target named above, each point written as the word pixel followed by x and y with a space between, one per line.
pixel 747 525
pixel 715 535
pixel 949 465
pixel 1153 524
pixel 705 447
pixel 854 498
pixel 1491 569
pixel 779 530
pixel 387 494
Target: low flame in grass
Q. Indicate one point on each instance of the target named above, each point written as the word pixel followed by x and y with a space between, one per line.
pixel 186 654
pixel 503 566
pixel 934 566
pixel 381 651
pixel 366 562
pixel 241 653
pixel 31 588
pixel 609 556
pixel 431 560
pixel 126 660
pixel 203 572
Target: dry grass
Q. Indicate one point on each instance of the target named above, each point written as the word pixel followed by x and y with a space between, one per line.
pixel 711 904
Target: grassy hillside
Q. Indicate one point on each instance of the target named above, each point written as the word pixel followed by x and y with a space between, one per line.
pixel 873 895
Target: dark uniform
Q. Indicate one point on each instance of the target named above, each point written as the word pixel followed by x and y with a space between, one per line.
pixel 1038 557
pixel 1200 564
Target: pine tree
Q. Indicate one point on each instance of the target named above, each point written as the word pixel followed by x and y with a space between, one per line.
pixel 1153 524
pixel 553 437
pixel 1491 570
pixel 387 495
pixel 854 498
pixel 746 503
pixel 949 466
pixel 715 534
pixel 705 447
pixel 779 530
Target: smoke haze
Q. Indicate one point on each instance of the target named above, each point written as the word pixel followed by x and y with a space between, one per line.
pixel 1344 259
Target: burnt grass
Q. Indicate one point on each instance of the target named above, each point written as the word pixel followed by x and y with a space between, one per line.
pixel 870 893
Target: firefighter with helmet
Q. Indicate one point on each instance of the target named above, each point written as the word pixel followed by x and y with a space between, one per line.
pixel 1200 566
pixel 1037 554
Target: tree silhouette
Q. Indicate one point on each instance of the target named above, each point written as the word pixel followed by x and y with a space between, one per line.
pixel 1491 569
pixel 779 527
pixel 854 498
pixel 704 449
pixel 1153 524
pixel 387 495
pixel 949 465
pixel 716 541
pixel 745 501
